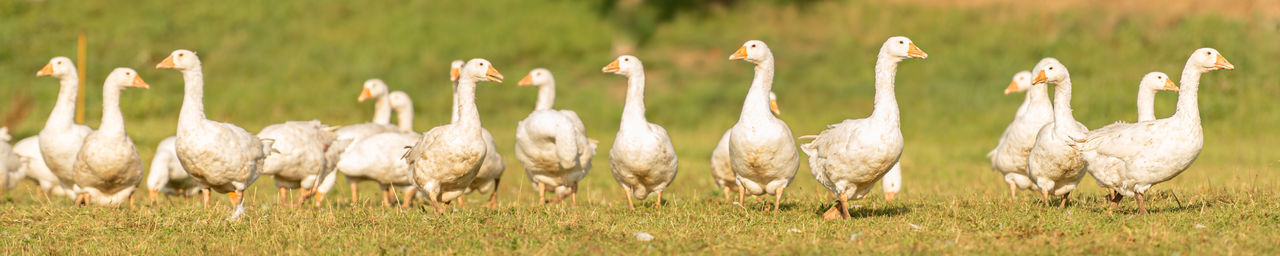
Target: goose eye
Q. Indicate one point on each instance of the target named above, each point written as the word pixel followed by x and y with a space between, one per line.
pixel 180 54
pixel 753 46
pixel 1208 53
pixel 1050 68
pixel 59 63
pixel 901 42
pixel 126 73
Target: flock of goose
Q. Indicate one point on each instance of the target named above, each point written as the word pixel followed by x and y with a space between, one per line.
pixel 1043 149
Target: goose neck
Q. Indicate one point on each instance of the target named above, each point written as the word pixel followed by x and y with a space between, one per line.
pixel 757 101
pixel 112 119
pixel 404 117
pixel 546 96
pixel 633 110
pixel 64 109
pixel 886 103
pixel 193 97
pixel 1062 102
pixel 468 115
pixel 1188 107
pixel 1146 104
pixel 382 110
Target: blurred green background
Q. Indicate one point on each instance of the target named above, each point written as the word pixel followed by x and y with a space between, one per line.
pixel 266 62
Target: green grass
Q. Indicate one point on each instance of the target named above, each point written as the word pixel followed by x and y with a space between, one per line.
pixel 267 62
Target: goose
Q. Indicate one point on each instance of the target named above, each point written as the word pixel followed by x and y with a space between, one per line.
pixel 721 171
pixel 10 164
pixel 1054 163
pixel 371 89
pixel 1147 88
pixel 762 152
pixel 299 155
pixel 892 182
pixel 33 167
pixel 486 181
pixel 61 138
pixel 642 159
pixel 377 157
pixel 552 144
pixel 108 167
pixel 1147 153
pixel 221 156
pixel 849 157
pixel 1009 158
pixel 167 175
pixel 448 157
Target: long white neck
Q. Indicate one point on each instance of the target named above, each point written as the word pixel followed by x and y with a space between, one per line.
pixel 633 110
pixel 453 119
pixel 193 99
pixel 382 109
pixel 1188 107
pixel 112 119
pixel 757 102
pixel 1026 102
pixel 404 117
pixel 64 109
pixel 468 115
pixel 546 95
pixel 1062 116
pixel 1146 104
pixel 1038 98
pixel 886 104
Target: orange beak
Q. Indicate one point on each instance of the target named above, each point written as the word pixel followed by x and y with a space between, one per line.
pixel 611 68
pixel 1170 86
pixel 138 83
pixel 453 74
pixel 1040 78
pixel 526 81
pixel 740 54
pixel 773 105
pixel 47 70
pixel 915 52
pixel 1223 64
pixel 166 63
pixel 152 193
pixel 1013 87
pixel 364 95
pixel 493 74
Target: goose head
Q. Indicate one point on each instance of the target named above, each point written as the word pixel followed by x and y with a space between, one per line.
pixel 625 65
pixel 372 88
pixel 1208 59
pixel 537 77
pixel 1021 83
pixel 57 67
pixel 180 60
pixel 754 51
pixel 480 70
pixel 901 47
pixel 122 78
pixel 399 100
pixel 1157 81
pixel 455 70
pixel 1052 72
pixel 773 104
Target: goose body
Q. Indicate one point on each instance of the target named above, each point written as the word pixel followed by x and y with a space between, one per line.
pixel 221 156
pixel 167 175
pixel 32 167
pixel 552 144
pixel 377 90
pixel 1054 164
pixel 1130 158
pixel 642 159
pixel 1009 158
pixel 447 158
pixel 61 138
pixel 762 152
pixel 848 157
pixel 378 157
pixel 299 158
pixel 108 168
pixel 1107 172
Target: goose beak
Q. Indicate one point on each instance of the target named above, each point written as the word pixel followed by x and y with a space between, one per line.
pixel 740 54
pixel 47 70
pixel 166 63
pixel 453 74
pixel 364 95
pixel 1013 87
pixel 611 68
pixel 1223 64
pixel 526 81
pixel 888 196
pixel 773 105
pixel 138 83
pixel 493 74
pixel 1040 78
pixel 152 193
pixel 915 52
pixel 1170 86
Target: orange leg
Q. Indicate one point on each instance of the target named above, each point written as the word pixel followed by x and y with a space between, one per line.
pixel 629 202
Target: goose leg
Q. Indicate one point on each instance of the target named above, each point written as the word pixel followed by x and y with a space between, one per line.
pixel 462 202
pixel 355 195
pixel 435 201
pixel 237 201
pixel 574 194
pixel 1142 205
pixel 629 202
pixel 1115 200
pixel 386 197
pixel 725 191
pixel 1013 191
pixel 844 206
pixel 542 189
pixel 284 195
pixel 777 201
pixel 836 211
pixel 493 195
pixel 742 196
pixel 206 197
pixel 408 197
pixel 658 203
pixel 130 200
pixel 1063 204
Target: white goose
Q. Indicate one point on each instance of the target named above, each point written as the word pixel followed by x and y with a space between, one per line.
pixel 762 151
pixel 1105 174
pixel 552 144
pixel 721 170
pixel 642 159
pixel 448 157
pixel 61 138
pixel 1147 153
pixel 10 163
pixel 377 157
pixel 299 155
pixel 221 156
pixel 371 89
pixel 167 175
pixel 1009 158
pixel 108 167
pixel 33 167
pixel 850 156
pixel 491 169
pixel 1055 164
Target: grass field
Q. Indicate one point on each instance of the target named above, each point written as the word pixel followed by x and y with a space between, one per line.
pixel 267 62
